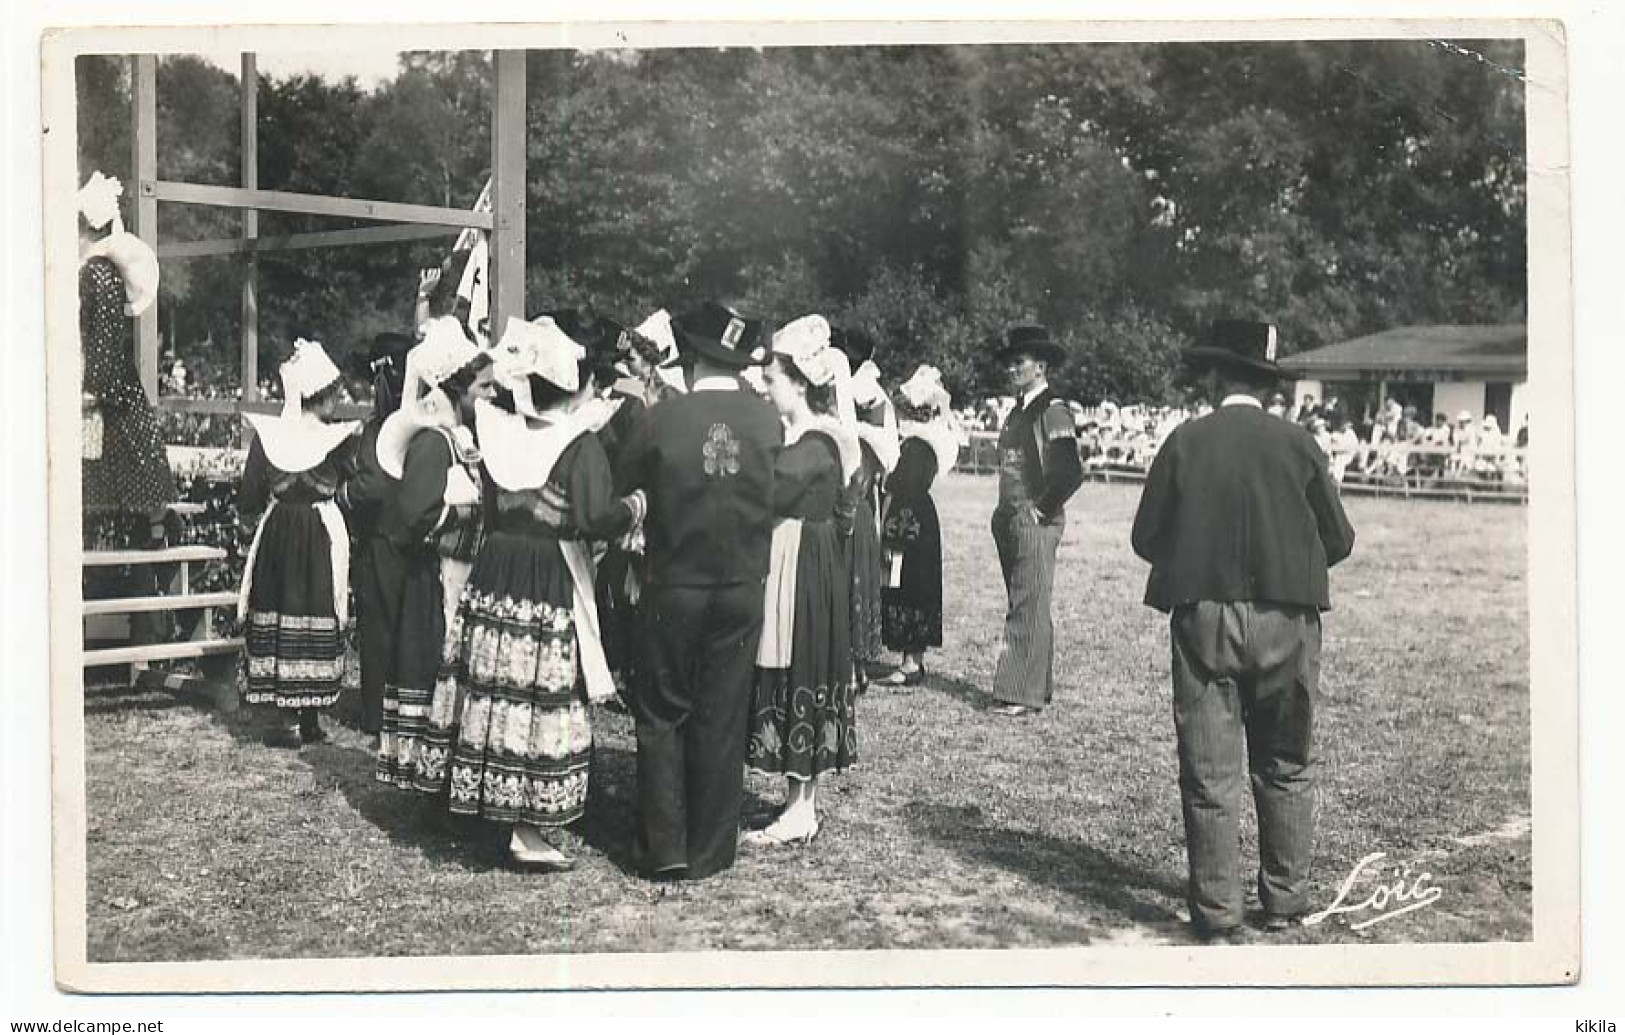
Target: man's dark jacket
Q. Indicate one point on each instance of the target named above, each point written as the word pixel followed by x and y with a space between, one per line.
pixel 1240 505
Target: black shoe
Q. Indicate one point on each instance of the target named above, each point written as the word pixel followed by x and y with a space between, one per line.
pixel 310 730
pixel 1013 711
pixel 1221 935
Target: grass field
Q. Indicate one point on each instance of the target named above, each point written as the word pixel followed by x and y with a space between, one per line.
pixel 959 829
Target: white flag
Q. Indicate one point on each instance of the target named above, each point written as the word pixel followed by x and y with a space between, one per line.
pixel 467 238
pixel 475 288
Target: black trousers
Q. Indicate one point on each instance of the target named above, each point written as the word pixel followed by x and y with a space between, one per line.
pixel 691 707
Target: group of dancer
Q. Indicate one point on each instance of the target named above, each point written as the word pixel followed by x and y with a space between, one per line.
pixel 588 513
pixel 717 529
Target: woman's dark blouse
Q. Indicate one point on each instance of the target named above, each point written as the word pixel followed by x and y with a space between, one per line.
pixel 915 472
pixel 263 481
pixel 578 501
pixel 807 482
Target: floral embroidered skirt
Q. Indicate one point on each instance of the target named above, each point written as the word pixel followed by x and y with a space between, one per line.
pixel 803 718
pixel 865 602
pixel 912 610
pixel 508 736
pixel 294 644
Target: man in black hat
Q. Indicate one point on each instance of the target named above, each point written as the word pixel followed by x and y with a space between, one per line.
pixel 1240 520
pixel 705 460
pixel 1039 470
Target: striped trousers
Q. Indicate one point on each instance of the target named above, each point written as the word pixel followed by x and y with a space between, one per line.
pixel 1245 678
pixel 1026 669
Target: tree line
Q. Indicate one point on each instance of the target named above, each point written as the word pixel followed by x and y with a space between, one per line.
pixel 1122 194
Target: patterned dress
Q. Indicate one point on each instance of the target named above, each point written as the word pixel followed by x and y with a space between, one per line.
pixel 429 548
pixel 508 734
pixel 803 720
pixel 298 573
pixel 912 609
pixel 129 476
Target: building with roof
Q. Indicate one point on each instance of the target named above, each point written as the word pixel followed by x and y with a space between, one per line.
pixel 1451 369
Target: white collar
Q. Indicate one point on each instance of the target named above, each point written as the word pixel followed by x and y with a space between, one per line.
pixel 518 456
pixel 296 444
pixel 715 384
pixel 1033 393
pixel 1239 399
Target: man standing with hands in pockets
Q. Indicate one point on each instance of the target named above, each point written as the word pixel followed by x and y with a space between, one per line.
pixel 1240 520
pixel 1039 470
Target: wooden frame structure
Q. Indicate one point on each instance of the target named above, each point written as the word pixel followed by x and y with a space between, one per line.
pixel 401 222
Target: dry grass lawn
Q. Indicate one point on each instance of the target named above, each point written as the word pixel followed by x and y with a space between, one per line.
pixel 958 830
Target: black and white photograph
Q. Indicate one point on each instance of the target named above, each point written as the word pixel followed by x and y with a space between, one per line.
pixel 740 506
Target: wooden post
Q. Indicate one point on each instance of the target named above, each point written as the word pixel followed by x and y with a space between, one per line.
pixel 249 87
pixel 508 190
pixel 144 164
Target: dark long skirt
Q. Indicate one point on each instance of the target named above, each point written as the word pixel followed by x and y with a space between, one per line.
pixel 803 719
pixel 617 617
pixel 294 644
pixel 912 610
pixel 416 648
pixel 865 601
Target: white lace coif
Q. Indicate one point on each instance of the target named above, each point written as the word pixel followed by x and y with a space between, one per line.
pixel 805 342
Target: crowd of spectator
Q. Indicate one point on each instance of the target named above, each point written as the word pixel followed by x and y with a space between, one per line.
pixel 1395 441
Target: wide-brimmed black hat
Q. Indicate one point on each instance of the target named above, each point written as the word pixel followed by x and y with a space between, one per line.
pixel 582 325
pixel 720 334
pixel 1034 341
pixel 857 344
pixel 1246 345
pixel 389 348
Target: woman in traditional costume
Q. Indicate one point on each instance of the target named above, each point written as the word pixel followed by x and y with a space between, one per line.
pixel 620 361
pixel 878 447
pixel 911 535
pixel 803 721
pixel 527 657
pixel 127 482
pixel 431 527
pixel 373 569
pixel 295 595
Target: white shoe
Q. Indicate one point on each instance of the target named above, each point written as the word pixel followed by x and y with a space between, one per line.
pixel 779 833
pixel 528 846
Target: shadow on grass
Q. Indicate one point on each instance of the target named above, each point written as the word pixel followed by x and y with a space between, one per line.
pixel 610 824
pixel 409 818
pixel 1116 888
pixel 967 693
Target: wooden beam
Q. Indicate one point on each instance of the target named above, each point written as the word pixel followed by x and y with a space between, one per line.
pixel 235 407
pixel 295 242
pixel 310 204
pixel 508 191
pixel 144 165
pixel 248 85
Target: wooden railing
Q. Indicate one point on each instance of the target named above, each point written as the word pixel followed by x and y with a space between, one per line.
pixel 202 643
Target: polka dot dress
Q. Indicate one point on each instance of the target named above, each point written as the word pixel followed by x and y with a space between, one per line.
pixel 132 475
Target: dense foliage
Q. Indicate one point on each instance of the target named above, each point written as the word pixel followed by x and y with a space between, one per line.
pixel 1123 194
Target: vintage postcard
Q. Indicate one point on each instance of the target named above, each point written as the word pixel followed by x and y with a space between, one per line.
pixel 776 504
